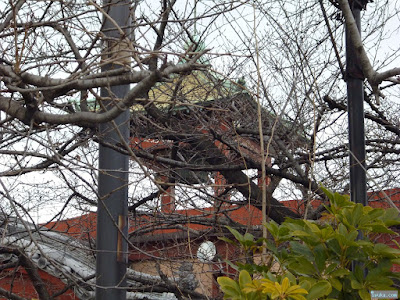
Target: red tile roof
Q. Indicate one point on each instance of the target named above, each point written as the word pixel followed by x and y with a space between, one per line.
pixel 84 227
pixel 375 200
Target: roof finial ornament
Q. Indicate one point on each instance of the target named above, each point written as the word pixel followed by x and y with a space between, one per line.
pixel 194 43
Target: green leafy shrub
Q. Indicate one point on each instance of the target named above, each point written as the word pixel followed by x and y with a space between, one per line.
pixel 332 258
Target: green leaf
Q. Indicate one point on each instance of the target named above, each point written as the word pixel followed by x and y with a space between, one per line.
pixel 302 266
pixel 358 272
pixel 340 273
pixel 271 247
pixel 355 252
pixel 300 248
pixel 356 214
pixel 342 230
pixel 248 237
pixel 336 283
pixel 381 283
pixel 236 234
pixel 306 282
pixel 232 265
pixel 380 228
pixel 356 285
pixel 364 294
pixel 320 289
pixel 328 193
pixel 331 268
pixel 225 239
pixel 297 297
pixel 375 214
pixel 283 232
pixel 391 217
pixel 291 277
pixel 386 251
pixel 271 277
pixel 229 287
pixel 320 257
pixel 333 245
pixel 327 233
pixel 352 235
pixel 378 270
pixel 273 228
pixel 244 278
pixel 337 200
pixel 252 296
pixel 300 233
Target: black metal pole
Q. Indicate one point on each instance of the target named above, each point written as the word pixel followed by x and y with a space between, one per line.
pixel 112 210
pixel 355 99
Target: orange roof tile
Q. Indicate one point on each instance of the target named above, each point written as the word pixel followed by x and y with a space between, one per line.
pixel 84 227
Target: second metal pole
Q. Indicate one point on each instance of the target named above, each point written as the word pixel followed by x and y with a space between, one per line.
pixel 355 99
pixel 112 209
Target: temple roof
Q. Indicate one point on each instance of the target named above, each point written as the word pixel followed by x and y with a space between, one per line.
pixel 64 257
